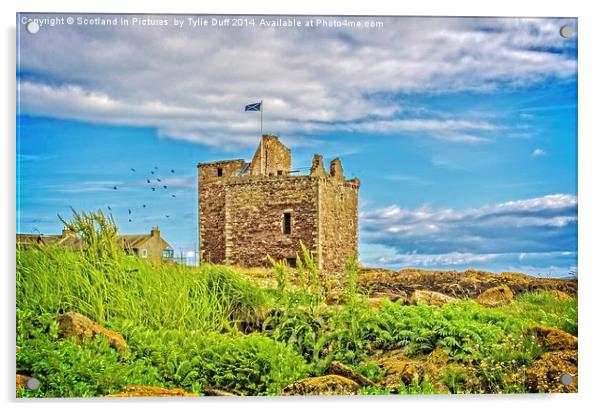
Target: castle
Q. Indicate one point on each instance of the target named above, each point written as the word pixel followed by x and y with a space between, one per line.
pixel 248 211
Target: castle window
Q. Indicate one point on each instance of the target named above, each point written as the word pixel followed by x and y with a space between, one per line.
pixel 144 253
pixel 279 172
pixel 286 223
pixel 220 171
pixel 291 262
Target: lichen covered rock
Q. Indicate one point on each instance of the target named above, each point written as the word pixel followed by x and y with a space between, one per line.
pixel 324 385
pixel 544 375
pixel 149 391
pixel 337 368
pixel 430 298
pixel 553 339
pixel 73 324
pixel 495 296
pixel 21 380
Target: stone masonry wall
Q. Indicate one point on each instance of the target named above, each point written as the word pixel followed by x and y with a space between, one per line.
pixel 241 217
pixel 338 222
pixel 276 157
pixel 212 195
pixel 254 218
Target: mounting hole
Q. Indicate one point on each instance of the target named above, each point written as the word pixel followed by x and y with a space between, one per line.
pixel 566 379
pixel 32 384
pixel 32 27
pixel 566 31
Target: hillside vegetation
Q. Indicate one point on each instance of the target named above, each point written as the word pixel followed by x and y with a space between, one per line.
pixel 214 329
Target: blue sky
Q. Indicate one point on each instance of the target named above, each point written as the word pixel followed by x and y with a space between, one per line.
pixel 464 136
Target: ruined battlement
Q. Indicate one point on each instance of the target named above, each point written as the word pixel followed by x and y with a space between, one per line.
pixel 249 210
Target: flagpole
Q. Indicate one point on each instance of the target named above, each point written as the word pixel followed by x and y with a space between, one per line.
pixel 261 118
pixel 261 136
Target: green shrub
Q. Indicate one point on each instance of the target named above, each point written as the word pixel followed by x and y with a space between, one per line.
pixel 68 369
pixel 244 364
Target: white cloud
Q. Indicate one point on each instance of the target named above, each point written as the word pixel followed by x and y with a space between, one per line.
pixel 192 84
pixel 538 152
pixel 537 225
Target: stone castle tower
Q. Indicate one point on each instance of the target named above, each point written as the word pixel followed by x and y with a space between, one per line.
pixel 248 211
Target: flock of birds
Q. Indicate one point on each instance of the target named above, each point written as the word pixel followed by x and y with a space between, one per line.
pixel 155 183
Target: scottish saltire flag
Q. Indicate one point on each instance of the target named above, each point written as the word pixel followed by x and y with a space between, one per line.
pixel 253 107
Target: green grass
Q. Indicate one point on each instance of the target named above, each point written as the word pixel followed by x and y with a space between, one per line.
pixel 104 283
pixel 195 327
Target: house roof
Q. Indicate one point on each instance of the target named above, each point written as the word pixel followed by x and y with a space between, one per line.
pixel 75 242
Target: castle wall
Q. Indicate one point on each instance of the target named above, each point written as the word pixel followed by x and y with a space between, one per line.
pixel 276 157
pixel 254 218
pixel 212 208
pixel 242 215
pixel 338 222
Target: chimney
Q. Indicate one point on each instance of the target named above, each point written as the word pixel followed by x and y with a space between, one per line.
pixel 317 166
pixel 336 169
pixel 155 231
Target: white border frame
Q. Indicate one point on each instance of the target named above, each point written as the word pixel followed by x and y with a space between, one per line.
pixel 590 268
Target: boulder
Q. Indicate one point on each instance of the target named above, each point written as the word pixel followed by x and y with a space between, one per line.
pixel 393 297
pixel 398 367
pixel 495 296
pixel 543 375
pixel 149 391
pixel 72 324
pixel 335 298
pixel 20 381
pixel 553 339
pixel 337 368
pixel 325 385
pixel 430 298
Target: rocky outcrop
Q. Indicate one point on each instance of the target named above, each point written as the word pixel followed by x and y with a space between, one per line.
pixel 495 296
pixel 325 385
pixel 399 368
pixel 149 391
pixel 458 284
pixel 393 297
pixel 21 380
pixel 337 368
pixel 544 375
pixel 72 324
pixel 553 339
pixel 430 298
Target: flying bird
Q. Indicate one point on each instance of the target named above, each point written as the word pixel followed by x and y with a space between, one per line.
pixel 156 168
pixel 129 211
pixel 133 169
pixel 148 181
pixel 173 195
pixel 152 172
pixel 165 187
pixel 114 187
pixel 143 205
pixel 173 171
pixel 130 220
pixel 167 215
pixel 153 188
pixel 109 207
pixel 159 180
